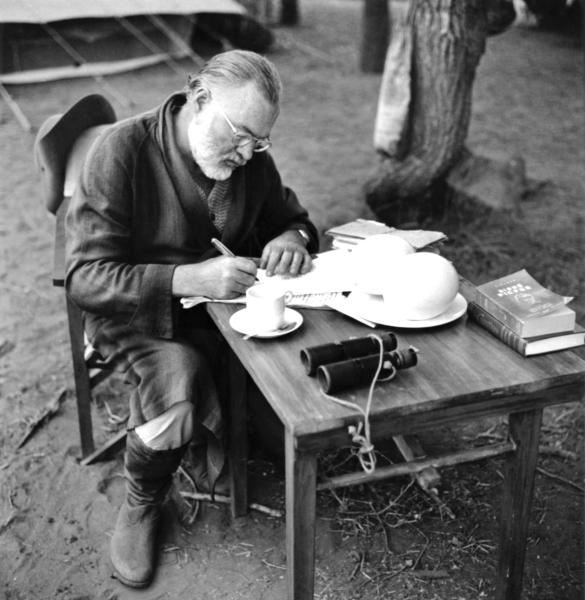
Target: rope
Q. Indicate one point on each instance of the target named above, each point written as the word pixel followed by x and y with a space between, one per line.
pixel 365 449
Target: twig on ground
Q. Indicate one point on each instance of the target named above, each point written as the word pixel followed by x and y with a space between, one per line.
pixel 490 433
pixel 273 566
pixel 421 553
pixel 362 561
pixel 554 451
pixel 42 416
pixel 31 456
pixel 386 531
pixel 7 521
pixel 342 503
pixel 560 479
pixel 354 570
pixel 182 471
pixel 402 569
pixel 194 507
pixel 565 413
pixel 442 506
pixel 6 346
pixel 272 512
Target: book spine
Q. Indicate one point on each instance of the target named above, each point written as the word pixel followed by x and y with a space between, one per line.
pixel 499 312
pixel 496 328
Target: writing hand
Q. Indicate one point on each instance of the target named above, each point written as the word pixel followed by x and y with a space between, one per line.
pixel 222 277
pixel 286 255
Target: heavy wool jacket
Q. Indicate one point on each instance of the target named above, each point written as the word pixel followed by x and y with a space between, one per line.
pixel 137 213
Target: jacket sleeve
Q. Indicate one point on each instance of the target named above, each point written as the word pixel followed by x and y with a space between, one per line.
pixel 282 210
pixel 102 275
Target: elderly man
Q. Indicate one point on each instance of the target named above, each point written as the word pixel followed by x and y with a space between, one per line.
pixel 153 192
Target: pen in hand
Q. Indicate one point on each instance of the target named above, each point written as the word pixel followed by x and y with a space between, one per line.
pixel 223 249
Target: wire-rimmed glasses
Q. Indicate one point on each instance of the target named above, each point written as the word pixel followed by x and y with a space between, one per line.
pixel 241 138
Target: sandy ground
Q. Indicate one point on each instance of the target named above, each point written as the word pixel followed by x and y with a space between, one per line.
pixel 56 516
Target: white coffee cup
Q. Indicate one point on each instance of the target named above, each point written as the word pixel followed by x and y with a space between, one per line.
pixel 265 306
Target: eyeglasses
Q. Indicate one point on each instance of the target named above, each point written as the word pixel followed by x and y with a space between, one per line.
pixel 241 138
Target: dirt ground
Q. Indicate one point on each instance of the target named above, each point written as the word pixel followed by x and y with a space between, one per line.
pixel 56 516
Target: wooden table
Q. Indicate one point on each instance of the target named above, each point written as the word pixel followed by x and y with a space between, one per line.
pixel 463 373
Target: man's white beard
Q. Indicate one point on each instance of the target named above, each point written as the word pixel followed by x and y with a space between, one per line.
pixel 206 153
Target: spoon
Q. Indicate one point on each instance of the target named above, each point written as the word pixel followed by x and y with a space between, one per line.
pixel 282 328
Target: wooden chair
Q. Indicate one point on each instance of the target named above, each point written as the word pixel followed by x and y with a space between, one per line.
pixel 60 149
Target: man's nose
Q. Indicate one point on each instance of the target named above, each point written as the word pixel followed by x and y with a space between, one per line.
pixel 246 151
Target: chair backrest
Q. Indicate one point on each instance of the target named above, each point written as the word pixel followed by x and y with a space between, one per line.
pixel 60 149
pixel 75 162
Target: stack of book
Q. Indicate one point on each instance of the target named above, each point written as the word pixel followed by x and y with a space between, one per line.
pixel 346 236
pixel 523 314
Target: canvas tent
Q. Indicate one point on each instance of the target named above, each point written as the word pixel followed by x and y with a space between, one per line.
pixel 49 39
pixel 45 11
pixel 44 40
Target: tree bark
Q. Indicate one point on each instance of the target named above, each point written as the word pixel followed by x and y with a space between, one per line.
pixel 375 31
pixel 289 12
pixel 448 40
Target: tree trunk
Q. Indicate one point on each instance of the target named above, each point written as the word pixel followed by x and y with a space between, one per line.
pixel 375 31
pixel 448 40
pixel 289 12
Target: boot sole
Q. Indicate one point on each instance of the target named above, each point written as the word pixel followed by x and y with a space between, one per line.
pixel 129 582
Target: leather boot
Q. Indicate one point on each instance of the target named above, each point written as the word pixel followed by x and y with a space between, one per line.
pixel 148 478
pixel 210 472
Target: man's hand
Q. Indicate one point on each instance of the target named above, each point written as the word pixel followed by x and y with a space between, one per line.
pixel 286 255
pixel 222 278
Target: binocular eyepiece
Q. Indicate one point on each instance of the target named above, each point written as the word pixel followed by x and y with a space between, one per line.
pixel 324 354
pixel 359 371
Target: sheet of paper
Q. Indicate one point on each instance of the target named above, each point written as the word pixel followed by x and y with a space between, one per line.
pixel 331 272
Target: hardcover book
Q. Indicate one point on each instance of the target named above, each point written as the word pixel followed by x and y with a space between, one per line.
pixel 359 229
pixel 347 235
pixel 526 346
pixel 525 306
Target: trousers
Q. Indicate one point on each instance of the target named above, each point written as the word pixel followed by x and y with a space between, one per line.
pixel 173 381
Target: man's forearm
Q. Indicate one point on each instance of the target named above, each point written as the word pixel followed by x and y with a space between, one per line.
pixel 184 281
pixel 139 295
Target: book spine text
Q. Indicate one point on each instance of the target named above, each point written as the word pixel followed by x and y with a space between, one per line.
pixel 499 313
pixel 496 328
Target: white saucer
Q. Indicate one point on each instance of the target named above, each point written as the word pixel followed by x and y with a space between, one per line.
pixel 373 308
pixel 241 322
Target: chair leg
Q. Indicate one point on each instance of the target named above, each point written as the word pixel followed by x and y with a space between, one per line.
pixel 81 376
pixel 237 391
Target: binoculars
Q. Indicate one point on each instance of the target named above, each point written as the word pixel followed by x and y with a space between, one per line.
pixel 333 352
pixel 355 361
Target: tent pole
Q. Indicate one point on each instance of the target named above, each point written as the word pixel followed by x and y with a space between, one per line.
pixel 16 110
pixel 74 54
pixel 174 37
pixel 154 48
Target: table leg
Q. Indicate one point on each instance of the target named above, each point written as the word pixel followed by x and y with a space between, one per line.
pixel 524 429
pixel 301 479
pixel 238 447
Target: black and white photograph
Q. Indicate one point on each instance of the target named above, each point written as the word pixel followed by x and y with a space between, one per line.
pixel 292 300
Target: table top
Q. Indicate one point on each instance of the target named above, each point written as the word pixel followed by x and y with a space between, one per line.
pixel 462 372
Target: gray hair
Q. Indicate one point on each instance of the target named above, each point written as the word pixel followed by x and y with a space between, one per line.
pixel 237 67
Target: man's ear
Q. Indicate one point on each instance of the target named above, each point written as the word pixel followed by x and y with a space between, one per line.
pixel 200 99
